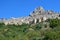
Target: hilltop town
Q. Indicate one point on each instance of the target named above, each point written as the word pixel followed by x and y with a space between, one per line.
pixel 39 14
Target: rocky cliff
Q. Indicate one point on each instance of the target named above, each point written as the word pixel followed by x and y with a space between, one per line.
pixel 39 14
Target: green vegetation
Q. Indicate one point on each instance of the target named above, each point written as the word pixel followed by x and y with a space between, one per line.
pixel 54 22
pixel 39 31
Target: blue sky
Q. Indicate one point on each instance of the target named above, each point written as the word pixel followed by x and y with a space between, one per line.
pixel 18 8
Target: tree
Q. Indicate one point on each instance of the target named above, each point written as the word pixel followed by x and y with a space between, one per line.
pixel 54 23
pixel 2 25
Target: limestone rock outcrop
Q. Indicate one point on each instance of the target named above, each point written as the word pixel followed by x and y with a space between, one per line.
pixel 39 14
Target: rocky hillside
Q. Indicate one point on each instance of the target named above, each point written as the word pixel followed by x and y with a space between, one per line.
pixel 39 25
pixel 49 30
